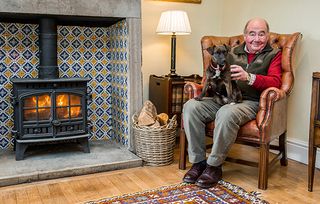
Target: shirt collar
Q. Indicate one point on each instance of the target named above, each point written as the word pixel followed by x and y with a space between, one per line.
pixel 246 49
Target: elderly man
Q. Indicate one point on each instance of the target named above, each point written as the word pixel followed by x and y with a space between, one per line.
pixel 256 66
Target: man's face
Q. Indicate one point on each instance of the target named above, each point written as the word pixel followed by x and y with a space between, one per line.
pixel 256 36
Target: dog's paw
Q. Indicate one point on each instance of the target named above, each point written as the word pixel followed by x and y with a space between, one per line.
pixel 225 100
pixel 232 103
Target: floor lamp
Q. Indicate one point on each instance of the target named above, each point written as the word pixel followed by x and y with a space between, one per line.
pixel 173 22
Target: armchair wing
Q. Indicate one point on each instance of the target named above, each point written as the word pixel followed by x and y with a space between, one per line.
pixel 192 89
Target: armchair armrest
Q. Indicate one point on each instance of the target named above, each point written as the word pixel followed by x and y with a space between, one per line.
pixel 192 89
pixel 272 115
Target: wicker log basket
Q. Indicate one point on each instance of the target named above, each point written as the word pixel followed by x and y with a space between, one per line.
pixel 155 145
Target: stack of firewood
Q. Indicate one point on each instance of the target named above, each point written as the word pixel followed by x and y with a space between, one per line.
pixel 148 116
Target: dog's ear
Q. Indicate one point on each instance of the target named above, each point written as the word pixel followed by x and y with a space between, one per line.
pixel 211 50
pixel 227 47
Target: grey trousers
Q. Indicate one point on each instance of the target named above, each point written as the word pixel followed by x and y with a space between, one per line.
pixel 228 119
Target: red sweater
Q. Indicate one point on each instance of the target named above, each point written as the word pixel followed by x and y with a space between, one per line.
pixel 273 78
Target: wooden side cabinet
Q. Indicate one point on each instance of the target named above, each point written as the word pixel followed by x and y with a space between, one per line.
pixel 166 93
pixel 314 131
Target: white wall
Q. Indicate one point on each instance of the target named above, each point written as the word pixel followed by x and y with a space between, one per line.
pixel 205 19
pixel 227 17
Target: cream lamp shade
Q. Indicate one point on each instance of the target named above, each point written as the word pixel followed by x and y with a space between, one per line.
pixel 174 22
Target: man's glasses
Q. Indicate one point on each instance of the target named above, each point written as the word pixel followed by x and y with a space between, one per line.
pixel 261 35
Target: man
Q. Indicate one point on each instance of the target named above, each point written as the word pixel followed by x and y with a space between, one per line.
pixel 256 66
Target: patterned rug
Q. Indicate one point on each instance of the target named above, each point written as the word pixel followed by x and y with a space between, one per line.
pixel 224 193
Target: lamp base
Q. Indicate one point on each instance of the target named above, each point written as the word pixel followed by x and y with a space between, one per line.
pixel 173 75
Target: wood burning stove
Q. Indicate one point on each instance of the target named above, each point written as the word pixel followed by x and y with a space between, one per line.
pixel 49 108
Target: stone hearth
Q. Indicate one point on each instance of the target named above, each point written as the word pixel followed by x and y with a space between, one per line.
pixel 52 161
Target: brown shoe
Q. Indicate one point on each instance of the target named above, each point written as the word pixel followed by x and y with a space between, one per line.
pixel 196 170
pixel 210 177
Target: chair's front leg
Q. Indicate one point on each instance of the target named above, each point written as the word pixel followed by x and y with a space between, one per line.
pixel 283 149
pixel 311 166
pixel 263 166
pixel 183 146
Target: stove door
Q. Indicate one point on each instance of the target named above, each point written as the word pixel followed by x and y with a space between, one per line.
pixel 69 114
pixel 36 115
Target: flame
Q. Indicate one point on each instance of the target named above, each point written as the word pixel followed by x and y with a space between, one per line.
pixel 62 101
pixel 75 112
pixel 44 105
pixel 43 101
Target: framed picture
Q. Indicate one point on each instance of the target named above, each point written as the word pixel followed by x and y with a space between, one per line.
pixel 185 1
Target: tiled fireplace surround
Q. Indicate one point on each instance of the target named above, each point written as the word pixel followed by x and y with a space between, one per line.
pixel 109 55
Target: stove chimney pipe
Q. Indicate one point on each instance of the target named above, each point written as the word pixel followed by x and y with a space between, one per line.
pixel 48 68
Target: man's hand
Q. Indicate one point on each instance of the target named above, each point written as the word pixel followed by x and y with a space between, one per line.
pixel 238 73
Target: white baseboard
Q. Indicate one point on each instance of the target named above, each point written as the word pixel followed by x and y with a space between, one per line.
pixel 298 151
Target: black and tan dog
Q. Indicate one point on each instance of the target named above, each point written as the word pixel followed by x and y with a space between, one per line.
pixel 218 83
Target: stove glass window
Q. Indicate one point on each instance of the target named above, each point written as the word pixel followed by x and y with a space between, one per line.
pixel 36 108
pixel 68 106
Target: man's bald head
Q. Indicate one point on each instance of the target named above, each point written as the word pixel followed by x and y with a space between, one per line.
pixel 254 21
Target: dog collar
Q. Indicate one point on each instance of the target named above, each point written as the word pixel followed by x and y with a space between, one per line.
pixel 218 70
pixel 218 67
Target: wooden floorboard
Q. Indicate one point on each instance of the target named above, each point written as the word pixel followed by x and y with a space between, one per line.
pixel 286 184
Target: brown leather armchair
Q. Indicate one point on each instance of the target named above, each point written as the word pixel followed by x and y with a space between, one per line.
pixel 271 120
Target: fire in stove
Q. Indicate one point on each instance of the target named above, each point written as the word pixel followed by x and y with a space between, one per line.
pixel 37 108
pixel 68 106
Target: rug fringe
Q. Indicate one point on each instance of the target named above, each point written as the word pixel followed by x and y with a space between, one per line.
pixel 142 192
pixel 253 196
